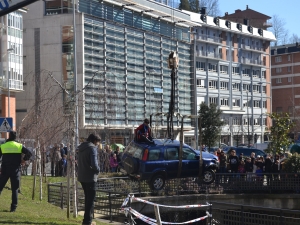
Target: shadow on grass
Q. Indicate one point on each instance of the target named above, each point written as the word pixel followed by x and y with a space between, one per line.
pixel 32 223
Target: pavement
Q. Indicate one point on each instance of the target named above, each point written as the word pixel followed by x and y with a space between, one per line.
pixel 98 218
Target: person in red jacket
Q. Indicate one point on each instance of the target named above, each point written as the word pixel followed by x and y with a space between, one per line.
pixel 143 132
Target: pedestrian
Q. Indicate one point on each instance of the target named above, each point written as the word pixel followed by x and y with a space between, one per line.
pixel 88 170
pixel 11 152
pixel 113 163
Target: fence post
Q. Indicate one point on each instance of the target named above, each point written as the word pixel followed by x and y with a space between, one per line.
pixel 48 193
pixel 242 215
pixel 157 215
pixel 281 218
pixel 109 200
pixel 61 196
pixel 210 214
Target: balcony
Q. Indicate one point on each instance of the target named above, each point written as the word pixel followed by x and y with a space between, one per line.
pixel 209 38
pixel 15 85
pixel 252 48
pixel 211 55
pixel 253 62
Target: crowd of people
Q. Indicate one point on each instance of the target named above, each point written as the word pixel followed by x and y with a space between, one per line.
pixel 255 164
pixel 108 159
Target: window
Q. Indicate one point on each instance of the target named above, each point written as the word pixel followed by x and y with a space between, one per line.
pixel 223 69
pixel 200 83
pixel 213 84
pixel 224 85
pixel 212 67
pixel 264 89
pixel 256 103
pixel 255 73
pixel 255 88
pixel 235 102
pixel 289 69
pixel 154 155
pixel 256 122
pixel 200 66
pixel 290 109
pixel 171 154
pixel 224 101
pixel 236 86
pixel 236 70
pixel 278 70
pixel 289 79
pixel 213 101
pixel 263 74
pixel 278 80
pixel 246 72
pixel 236 121
pixel 279 109
pixel 246 87
pixel 246 121
pixel 278 59
pixel 289 57
pixel 264 104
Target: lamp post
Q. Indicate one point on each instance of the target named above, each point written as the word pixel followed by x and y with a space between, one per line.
pixel 8 79
pixel 248 119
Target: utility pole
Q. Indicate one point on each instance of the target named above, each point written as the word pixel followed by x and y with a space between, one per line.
pixel 248 119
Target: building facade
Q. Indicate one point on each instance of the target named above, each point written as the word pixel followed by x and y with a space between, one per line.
pixel 285 82
pixel 11 64
pixel 122 51
pixel 250 16
pixel 232 62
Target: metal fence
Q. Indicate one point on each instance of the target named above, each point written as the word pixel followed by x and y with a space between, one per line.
pixel 111 193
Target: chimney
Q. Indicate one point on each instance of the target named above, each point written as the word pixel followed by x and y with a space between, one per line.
pixel 203 10
pixel 246 22
pixel 247 7
pixel 226 14
pixel 237 10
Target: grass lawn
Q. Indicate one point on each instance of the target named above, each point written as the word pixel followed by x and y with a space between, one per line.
pixel 34 211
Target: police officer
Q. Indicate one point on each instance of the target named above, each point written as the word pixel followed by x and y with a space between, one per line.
pixel 11 153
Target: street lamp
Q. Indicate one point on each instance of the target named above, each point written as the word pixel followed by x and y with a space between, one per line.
pixel 248 119
pixel 8 79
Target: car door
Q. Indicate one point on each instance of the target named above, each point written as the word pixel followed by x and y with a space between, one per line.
pixel 190 164
pixel 171 161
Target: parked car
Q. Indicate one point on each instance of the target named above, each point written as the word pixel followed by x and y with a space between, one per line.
pixel 159 162
pixel 246 151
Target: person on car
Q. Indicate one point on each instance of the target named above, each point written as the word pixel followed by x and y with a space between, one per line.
pixel 143 132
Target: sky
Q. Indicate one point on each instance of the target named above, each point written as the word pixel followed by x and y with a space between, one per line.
pixel 288 10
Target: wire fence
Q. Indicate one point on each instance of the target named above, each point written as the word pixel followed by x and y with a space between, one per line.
pixel 111 193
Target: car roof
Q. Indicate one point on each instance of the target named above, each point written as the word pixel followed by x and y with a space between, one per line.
pixel 160 142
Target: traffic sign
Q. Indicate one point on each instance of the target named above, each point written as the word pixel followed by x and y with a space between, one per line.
pixel 6 124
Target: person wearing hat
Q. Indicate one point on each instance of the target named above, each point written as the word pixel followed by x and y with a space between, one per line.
pixel 11 152
pixel 143 132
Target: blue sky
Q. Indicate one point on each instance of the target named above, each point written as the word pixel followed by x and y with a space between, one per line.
pixel 289 10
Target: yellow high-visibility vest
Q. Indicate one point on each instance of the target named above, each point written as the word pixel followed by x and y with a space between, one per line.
pixel 11 147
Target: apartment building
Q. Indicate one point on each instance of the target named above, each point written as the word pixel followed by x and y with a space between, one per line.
pixel 285 82
pixel 122 51
pixel 11 63
pixel 232 62
pixel 252 17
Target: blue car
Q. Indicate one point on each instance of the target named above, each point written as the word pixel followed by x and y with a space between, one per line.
pixel 159 162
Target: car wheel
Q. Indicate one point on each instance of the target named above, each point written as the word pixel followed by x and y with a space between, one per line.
pixel 209 176
pixel 157 182
pixel 130 165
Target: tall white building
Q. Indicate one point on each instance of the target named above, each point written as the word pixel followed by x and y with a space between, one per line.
pixel 11 64
pixel 232 63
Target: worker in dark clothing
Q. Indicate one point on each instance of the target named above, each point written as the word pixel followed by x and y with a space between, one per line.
pixel 11 153
pixel 88 170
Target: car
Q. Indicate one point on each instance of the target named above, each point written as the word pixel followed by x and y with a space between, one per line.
pixel 159 162
pixel 246 151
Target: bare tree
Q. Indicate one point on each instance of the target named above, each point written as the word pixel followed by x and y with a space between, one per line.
pixel 278 29
pixel 212 7
pixel 294 38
